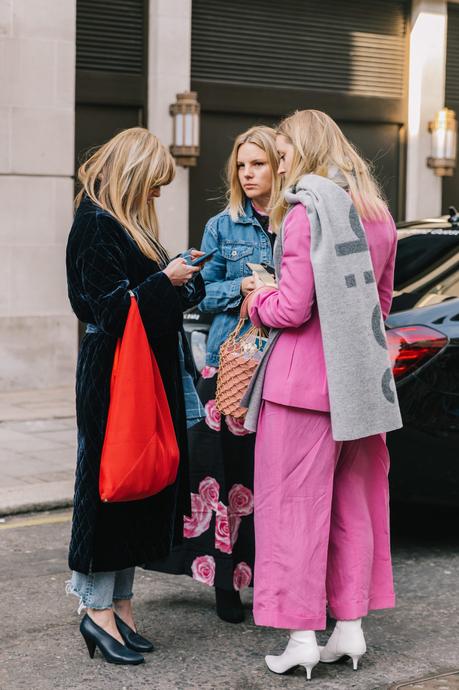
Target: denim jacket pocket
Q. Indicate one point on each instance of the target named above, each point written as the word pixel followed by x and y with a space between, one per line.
pixel 237 255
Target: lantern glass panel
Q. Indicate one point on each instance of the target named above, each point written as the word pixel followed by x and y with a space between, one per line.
pixel 179 129
pixel 443 143
pixel 189 129
pixel 444 136
pixel 438 143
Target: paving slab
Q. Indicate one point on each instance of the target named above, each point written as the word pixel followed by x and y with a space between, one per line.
pixel 43 403
pixel 37 449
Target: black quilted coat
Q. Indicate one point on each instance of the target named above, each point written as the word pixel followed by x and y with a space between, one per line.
pixel 103 264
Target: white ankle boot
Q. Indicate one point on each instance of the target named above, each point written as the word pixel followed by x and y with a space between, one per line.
pixel 301 650
pixel 346 640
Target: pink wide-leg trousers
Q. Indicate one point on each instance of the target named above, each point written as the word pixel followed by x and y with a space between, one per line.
pixel 321 522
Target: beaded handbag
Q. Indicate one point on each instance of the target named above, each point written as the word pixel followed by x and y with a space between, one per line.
pixel 239 357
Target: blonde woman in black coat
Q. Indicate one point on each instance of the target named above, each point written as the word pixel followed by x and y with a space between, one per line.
pixel 113 248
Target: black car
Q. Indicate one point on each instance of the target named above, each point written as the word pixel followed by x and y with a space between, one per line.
pixel 423 337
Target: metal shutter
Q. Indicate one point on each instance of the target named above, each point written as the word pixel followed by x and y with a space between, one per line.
pixel 452 54
pixel 110 35
pixel 451 184
pixel 355 47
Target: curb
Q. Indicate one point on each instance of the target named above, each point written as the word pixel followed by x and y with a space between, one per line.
pixel 36 497
pixel 42 507
pixel 447 681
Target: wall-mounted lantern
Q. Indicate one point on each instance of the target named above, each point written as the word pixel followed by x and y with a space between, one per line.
pixel 185 121
pixel 444 143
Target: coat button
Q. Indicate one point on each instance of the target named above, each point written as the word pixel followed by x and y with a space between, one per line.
pixel 234 253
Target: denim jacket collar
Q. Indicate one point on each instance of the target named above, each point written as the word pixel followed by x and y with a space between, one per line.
pixel 247 216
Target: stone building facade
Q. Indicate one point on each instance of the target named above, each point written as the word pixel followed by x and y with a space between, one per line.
pixel 38 333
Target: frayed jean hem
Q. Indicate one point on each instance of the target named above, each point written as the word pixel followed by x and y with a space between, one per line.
pixel 82 606
pixel 99 590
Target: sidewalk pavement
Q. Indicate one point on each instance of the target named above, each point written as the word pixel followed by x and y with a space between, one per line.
pixel 37 449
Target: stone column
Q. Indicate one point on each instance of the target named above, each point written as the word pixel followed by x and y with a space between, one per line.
pixel 38 333
pixel 169 65
pixel 426 95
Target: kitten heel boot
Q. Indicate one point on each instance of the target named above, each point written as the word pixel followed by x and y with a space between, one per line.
pixel 346 640
pixel 301 650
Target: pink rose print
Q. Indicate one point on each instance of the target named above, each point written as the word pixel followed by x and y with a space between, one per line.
pixel 234 524
pixel 200 518
pixel 222 529
pixel 203 569
pixel 213 416
pixel 240 500
pixel 208 372
pixel 209 490
pixel 242 576
pixel 236 426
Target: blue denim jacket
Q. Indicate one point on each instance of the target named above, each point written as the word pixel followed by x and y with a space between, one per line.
pixel 236 242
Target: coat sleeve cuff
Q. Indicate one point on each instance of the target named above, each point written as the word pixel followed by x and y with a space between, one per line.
pixel 252 304
pixel 159 300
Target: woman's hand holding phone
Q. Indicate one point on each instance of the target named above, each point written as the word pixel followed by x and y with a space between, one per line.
pixel 194 254
pixel 180 272
pixel 258 283
pixel 247 285
pixel 254 282
pixel 197 258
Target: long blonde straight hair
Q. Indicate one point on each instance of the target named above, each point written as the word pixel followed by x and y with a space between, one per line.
pixel 265 138
pixel 118 178
pixel 319 147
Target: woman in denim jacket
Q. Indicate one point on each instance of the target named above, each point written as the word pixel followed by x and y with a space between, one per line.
pixel 218 548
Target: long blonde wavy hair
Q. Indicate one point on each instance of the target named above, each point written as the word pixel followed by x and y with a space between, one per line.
pixel 319 147
pixel 118 178
pixel 265 138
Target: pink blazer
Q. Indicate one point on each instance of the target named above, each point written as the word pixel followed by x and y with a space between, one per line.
pixel 296 373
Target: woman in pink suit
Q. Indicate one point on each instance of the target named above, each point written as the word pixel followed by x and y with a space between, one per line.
pixel 321 503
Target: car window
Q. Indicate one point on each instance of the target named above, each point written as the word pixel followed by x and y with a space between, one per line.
pixel 427 268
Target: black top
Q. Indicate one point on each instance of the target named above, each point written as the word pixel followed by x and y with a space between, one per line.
pixel 264 222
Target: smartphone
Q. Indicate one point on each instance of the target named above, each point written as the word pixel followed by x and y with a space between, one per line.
pixel 264 272
pixel 202 259
pixel 269 268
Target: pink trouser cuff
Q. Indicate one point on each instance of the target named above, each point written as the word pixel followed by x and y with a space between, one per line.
pixel 275 619
pixel 349 612
pixel 353 610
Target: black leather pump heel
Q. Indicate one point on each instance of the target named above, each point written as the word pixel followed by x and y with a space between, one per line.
pixel 132 638
pixel 91 645
pixel 113 651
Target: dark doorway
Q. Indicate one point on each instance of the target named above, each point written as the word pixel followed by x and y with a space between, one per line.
pixel 111 76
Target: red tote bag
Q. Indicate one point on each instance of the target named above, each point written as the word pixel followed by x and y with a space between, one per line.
pixel 140 454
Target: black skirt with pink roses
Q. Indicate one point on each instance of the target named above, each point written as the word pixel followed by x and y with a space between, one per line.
pixel 219 545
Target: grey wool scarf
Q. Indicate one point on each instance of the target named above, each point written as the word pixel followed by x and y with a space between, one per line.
pixel 363 400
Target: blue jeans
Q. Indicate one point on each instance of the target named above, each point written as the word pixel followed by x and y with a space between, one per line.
pixel 100 590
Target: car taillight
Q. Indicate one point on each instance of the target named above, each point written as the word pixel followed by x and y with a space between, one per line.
pixel 412 346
